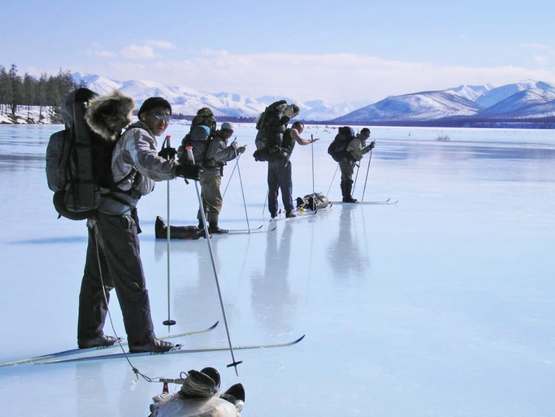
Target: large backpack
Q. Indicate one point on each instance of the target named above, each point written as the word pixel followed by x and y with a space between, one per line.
pixel 78 160
pixel 271 115
pixel 198 139
pixel 338 148
pixel 202 130
pixel 314 202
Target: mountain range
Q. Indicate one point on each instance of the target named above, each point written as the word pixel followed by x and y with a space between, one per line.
pixel 187 101
pixel 516 101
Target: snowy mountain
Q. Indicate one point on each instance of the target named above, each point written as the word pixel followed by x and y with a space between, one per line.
pixel 496 95
pixel 470 92
pixel 427 105
pixel 526 99
pixel 187 100
pixel 520 102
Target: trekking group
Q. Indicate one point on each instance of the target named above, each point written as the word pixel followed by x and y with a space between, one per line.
pixel 99 174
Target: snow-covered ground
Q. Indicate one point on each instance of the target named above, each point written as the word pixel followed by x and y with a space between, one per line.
pixel 442 305
pixel 28 115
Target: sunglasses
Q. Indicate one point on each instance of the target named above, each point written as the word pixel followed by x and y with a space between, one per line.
pixel 162 117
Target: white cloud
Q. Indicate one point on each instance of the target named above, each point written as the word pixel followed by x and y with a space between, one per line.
pixel 335 77
pixel 138 52
pixel 159 44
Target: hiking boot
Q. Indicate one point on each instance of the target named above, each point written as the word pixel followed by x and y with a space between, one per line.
pixel 350 200
pixel 160 228
pixel 155 345
pixel 96 342
pixel 289 214
pixel 214 229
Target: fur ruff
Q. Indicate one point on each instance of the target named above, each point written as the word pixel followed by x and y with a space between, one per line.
pixel 108 115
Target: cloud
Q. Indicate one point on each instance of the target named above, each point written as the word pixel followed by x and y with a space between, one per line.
pixel 138 52
pixel 333 77
pixel 145 51
pixel 160 44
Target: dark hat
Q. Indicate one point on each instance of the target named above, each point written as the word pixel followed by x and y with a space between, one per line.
pixel 153 103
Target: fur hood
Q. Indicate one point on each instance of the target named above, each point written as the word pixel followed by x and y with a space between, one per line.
pixel 108 115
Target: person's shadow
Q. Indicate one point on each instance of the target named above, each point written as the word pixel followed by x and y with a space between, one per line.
pixel 271 297
pixel 344 255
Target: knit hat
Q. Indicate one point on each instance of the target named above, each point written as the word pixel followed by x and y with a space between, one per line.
pixel 153 103
pixel 226 126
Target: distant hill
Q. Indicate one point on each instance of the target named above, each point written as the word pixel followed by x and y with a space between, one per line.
pixel 522 100
pixel 187 101
pixel 517 101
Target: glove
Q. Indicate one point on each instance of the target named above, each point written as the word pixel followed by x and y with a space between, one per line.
pixel 240 149
pixel 372 144
pixel 188 171
pixel 167 153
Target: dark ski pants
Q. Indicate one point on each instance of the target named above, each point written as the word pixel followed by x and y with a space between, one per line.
pixel 121 269
pixel 347 167
pixel 279 178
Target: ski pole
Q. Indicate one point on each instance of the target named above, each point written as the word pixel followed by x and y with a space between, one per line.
pixel 367 171
pixel 356 178
pixel 169 321
pixel 265 202
pixel 234 363
pixel 242 190
pixel 312 151
pixel 332 179
pixel 229 180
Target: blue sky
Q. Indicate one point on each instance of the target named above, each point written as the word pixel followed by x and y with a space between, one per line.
pixel 350 50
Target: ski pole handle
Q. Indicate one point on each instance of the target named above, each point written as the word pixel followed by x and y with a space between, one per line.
pixel 190 156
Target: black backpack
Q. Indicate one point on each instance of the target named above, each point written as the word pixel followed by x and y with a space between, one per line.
pixel 78 160
pixel 202 130
pixel 314 202
pixel 338 148
pixel 271 116
pixel 198 139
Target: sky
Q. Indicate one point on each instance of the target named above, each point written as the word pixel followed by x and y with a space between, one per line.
pixel 337 51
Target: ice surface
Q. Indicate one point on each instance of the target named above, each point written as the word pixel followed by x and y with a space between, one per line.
pixel 442 305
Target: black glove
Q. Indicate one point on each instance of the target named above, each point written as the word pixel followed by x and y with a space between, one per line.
pixel 167 152
pixel 372 144
pixel 188 171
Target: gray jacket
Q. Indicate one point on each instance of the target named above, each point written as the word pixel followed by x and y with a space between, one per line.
pixel 218 153
pixel 135 167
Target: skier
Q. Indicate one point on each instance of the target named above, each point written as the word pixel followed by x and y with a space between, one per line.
pixel 217 154
pixel 279 167
pixel 114 257
pixel 355 149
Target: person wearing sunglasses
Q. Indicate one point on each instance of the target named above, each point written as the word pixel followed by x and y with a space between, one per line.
pixel 113 255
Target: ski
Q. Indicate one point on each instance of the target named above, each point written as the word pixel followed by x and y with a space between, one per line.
pixel 297 217
pixel 246 231
pixel 388 202
pixel 177 350
pixel 75 351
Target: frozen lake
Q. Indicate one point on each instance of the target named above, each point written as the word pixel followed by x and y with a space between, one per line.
pixel 442 305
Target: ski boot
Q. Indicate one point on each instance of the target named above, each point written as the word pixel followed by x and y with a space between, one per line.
pixel 290 214
pixel 214 229
pixel 98 341
pixel 155 345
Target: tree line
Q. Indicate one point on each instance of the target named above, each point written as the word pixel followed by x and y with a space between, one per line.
pixel 46 92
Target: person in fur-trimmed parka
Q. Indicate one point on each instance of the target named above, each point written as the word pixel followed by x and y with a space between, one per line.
pixel 113 258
